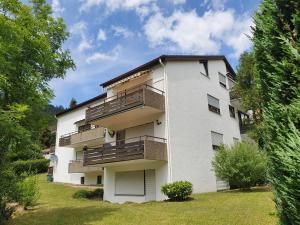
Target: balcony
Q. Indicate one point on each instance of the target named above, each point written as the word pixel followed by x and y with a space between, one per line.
pixel 138 148
pixel 91 137
pixel 128 108
pixel 76 166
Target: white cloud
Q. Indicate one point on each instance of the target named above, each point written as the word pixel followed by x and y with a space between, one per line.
pixel 79 29
pixel 177 2
pixel 239 37
pixel 192 33
pixel 214 4
pixel 121 31
pixel 84 44
pixel 188 31
pixel 57 8
pixel 112 5
pixel 101 35
pixel 100 56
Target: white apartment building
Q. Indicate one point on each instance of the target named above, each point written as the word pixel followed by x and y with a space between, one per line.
pixel 158 123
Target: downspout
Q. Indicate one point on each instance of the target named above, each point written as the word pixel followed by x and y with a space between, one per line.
pixel 167 130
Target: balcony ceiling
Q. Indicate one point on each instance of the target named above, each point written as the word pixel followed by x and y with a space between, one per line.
pixel 130 118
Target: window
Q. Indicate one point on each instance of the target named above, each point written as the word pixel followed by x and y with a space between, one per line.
pixel 216 139
pixel 79 155
pixel 222 80
pixel 235 140
pixel 205 65
pixel 81 180
pixel 231 111
pixel 99 179
pixel 213 104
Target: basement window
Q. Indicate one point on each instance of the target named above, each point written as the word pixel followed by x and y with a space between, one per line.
pixel 216 139
pixel 213 104
pixel 236 140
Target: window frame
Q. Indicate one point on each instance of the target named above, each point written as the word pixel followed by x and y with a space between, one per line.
pixel 213 108
pixel 224 85
pixel 216 147
pixel 205 65
pixel 231 113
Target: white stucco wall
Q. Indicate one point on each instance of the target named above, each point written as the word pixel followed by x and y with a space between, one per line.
pixel 65 125
pixel 191 123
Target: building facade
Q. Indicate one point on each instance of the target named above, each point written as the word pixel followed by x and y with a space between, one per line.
pixel 158 123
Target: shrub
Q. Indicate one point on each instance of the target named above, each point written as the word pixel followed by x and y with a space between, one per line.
pixel 178 191
pixel 5 212
pixel 243 165
pixel 31 166
pixel 81 194
pixel 28 190
pixel 97 193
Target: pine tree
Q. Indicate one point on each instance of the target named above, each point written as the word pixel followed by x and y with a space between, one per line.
pixel 73 103
pixel 277 52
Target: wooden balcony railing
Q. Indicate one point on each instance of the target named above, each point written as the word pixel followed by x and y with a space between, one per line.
pixel 130 98
pixel 81 135
pixel 76 166
pixel 143 147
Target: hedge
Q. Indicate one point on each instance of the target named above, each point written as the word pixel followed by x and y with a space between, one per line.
pixel 31 166
pixel 94 194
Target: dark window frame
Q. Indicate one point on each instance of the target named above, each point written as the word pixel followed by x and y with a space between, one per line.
pixel 213 108
pixel 82 180
pixel 205 65
pixel 99 179
pixel 217 147
pixel 231 111
pixel 221 83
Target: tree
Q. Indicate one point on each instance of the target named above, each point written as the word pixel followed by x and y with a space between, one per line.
pixel 277 52
pixel 249 89
pixel 73 103
pixel 31 55
pixel 243 165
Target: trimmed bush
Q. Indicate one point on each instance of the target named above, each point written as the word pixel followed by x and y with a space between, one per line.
pixel 178 191
pixel 31 166
pixel 243 165
pixel 97 193
pixel 81 194
pixel 28 190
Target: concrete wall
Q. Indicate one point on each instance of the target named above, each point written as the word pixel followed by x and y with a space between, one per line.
pixel 191 123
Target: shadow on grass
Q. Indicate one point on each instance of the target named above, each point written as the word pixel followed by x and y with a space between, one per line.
pixel 63 216
pixel 251 190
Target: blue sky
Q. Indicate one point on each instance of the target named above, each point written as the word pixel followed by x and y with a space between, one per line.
pixel 109 37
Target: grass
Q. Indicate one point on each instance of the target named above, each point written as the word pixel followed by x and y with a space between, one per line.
pixel 56 206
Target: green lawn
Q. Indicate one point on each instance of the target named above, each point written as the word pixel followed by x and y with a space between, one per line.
pixel 57 207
